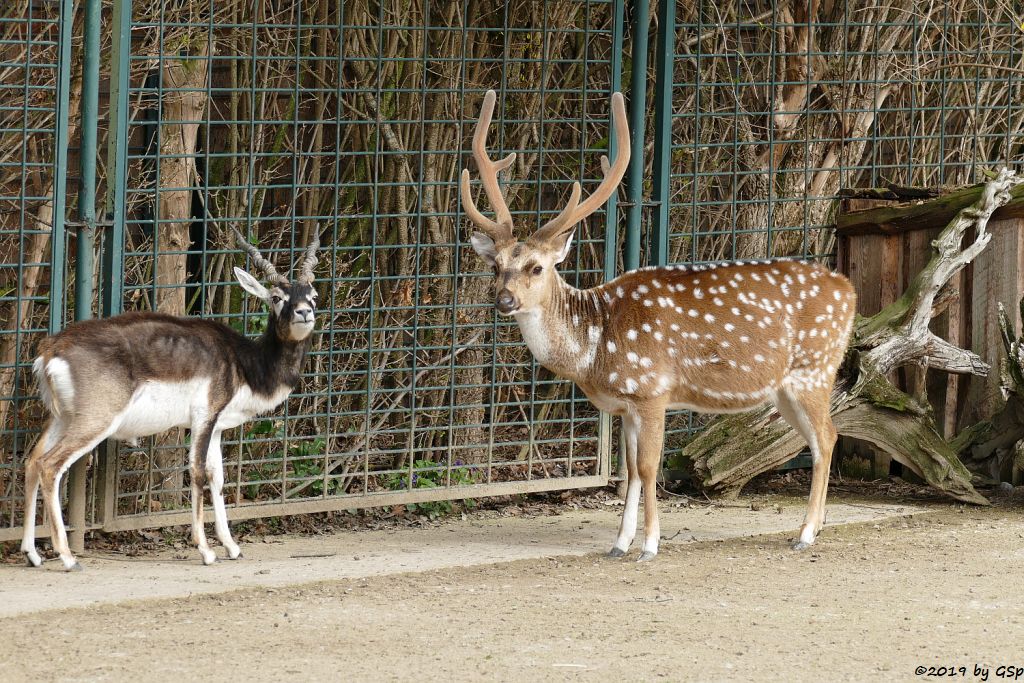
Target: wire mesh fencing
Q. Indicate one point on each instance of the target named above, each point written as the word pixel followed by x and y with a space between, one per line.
pixel 33 135
pixel 773 111
pixel 351 122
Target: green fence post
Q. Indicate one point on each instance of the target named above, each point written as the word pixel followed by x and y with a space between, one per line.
pixel 611 226
pixel 637 125
pixel 84 265
pixel 662 171
pixel 60 183
pixel 117 153
pixel 113 244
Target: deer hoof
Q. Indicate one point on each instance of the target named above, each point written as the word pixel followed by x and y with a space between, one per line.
pixel 800 545
pixel 616 552
pixel 646 556
pixel 33 560
pixel 76 567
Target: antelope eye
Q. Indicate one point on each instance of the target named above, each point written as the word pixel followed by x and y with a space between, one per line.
pixel 537 270
pixel 276 299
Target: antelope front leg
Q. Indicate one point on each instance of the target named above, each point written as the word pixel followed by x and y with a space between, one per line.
pixel 200 443
pixel 215 475
pixel 627 528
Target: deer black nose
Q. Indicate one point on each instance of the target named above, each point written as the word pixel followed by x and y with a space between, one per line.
pixel 506 302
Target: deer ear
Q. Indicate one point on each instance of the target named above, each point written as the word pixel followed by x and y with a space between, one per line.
pixel 563 248
pixel 484 246
pixel 251 285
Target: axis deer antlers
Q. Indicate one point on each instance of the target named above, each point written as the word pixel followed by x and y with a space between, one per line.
pixel 716 338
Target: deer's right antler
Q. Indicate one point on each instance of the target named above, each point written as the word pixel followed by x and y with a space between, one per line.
pixel 500 230
pixel 574 211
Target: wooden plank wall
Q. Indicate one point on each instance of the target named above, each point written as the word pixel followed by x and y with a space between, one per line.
pixel 880 264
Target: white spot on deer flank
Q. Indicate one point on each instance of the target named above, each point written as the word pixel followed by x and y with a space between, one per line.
pixel 631 386
pixel 708 317
pixel 611 346
pixel 612 377
pixel 631 335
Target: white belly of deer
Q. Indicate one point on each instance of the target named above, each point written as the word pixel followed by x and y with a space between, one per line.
pixel 158 406
pixel 245 404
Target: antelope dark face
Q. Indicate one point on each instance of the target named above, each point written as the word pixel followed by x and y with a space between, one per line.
pixel 292 305
pixel 293 308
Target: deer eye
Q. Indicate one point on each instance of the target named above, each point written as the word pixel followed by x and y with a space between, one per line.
pixel 537 270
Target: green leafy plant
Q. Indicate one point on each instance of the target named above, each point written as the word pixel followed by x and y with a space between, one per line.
pixel 430 475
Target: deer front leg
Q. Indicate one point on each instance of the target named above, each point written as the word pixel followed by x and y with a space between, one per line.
pixel 215 476
pixel 627 528
pixel 651 437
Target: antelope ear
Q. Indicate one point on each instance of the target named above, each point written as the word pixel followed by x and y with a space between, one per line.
pixel 484 246
pixel 563 247
pixel 252 285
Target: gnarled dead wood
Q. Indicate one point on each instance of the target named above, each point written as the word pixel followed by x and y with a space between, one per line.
pixel 865 404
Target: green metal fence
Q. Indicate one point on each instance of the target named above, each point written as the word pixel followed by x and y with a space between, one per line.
pixel 765 112
pixel 352 120
pixel 34 133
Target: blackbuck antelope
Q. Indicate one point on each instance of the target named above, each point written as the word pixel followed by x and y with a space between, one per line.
pixel 715 338
pixel 141 373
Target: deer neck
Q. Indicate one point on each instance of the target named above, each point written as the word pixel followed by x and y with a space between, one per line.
pixel 564 334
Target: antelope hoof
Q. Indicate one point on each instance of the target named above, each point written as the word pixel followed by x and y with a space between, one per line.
pixel 235 554
pixel 209 557
pixel 800 545
pixel 32 559
pixel 616 552
pixel 76 567
pixel 646 556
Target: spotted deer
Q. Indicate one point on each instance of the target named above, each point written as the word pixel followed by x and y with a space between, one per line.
pixel 714 338
pixel 142 373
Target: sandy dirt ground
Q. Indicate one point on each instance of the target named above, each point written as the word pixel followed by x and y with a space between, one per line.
pixel 887 588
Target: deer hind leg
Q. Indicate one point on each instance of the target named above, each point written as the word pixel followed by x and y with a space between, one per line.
pixel 50 467
pixel 53 433
pixel 627 528
pixel 215 477
pixel 808 412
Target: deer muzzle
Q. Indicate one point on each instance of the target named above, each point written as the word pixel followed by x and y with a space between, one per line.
pixel 506 303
